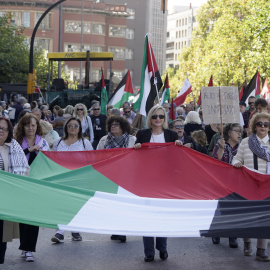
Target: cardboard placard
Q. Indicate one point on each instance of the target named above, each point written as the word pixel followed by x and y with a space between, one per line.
pixel 229 105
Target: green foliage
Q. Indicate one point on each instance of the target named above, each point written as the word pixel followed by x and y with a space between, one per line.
pixel 13 53
pixel 230 42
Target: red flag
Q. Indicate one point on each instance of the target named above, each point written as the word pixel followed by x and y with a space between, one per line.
pixel 172 114
pixel 186 89
pixel 209 84
pixel 242 91
pixel 258 85
pixel 265 91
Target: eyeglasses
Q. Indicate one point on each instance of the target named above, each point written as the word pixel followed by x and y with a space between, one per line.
pixel 79 109
pixel 250 103
pixel 160 116
pixel 262 124
pixel 178 126
pixel 115 125
pixel 237 131
pixel 127 111
pixel 3 129
pixel 73 126
pixel 96 109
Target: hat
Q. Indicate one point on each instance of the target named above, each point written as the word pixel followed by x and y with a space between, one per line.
pixel 26 106
pixel 243 103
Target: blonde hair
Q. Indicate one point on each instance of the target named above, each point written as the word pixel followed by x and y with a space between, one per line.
pixel 84 109
pixel 69 109
pixel 254 120
pixel 193 118
pixel 152 112
pixel 199 137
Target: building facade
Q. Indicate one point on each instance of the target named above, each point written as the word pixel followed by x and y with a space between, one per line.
pixel 180 25
pixel 103 29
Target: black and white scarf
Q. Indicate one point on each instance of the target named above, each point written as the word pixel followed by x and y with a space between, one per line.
pixel 18 163
pixel 116 142
pixel 260 151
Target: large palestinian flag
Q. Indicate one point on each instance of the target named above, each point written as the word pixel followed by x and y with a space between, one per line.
pixel 122 92
pixel 150 81
pixel 169 191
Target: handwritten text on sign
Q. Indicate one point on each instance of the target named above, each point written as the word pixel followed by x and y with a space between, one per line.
pixel 229 104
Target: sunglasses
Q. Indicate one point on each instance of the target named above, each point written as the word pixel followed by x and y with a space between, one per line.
pixel 262 124
pixel 96 109
pixel 178 127
pixel 73 126
pixel 127 111
pixel 79 109
pixel 160 116
pixel 250 103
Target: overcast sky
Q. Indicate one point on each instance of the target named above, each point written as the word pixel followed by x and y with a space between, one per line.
pixel 195 3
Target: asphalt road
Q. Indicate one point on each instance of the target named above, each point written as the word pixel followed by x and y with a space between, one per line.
pixel 98 252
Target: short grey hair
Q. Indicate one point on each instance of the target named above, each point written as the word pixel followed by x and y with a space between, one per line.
pixel 193 118
pixel 21 100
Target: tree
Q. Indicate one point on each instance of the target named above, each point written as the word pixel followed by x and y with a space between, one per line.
pixel 230 42
pixel 13 53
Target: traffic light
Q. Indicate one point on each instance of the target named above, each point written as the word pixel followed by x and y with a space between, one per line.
pixel 34 77
pixel 29 84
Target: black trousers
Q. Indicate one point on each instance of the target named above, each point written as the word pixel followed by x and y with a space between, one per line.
pixel 149 245
pixel 3 245
pixel 28 237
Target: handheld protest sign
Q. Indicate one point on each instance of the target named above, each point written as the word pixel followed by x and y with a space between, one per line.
pixel 220 105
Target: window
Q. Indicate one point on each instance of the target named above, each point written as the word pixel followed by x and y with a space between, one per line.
pixel 45 23
pixel 176 23
pixel 168 34
pixel 179 22
pixel 75 27
pixel 42 43
pixel 169 56
pixel 129 33
pixel 182 33
pixel 132 13
pixel 21 18
pixel 179 33
pixel 175 57
pixel 76 47
pixel 176 34
pixel 189 19
pixel 176 46
pixel 185 32
pixel 95 75
pixel 118 53
pixel 183 21
pixel 98 28
pixel 129 54
pixel 97 48
pixel 117 31
pixel 117 75
pixel 186 21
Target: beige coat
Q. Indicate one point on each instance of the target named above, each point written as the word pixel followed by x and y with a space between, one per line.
pixel 10 229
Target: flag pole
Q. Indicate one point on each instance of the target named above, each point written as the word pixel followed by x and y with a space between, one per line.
pixel 155 78
pixel 194 108
pixel 221 124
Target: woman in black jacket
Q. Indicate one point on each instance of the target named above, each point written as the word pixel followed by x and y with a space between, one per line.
pixel 157 132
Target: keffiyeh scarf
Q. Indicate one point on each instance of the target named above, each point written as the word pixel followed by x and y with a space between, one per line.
pixel 17 160
pixel 231 152
pixel 259 150
pixel 116 142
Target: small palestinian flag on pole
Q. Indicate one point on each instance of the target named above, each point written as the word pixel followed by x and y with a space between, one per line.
pixel 209 85
pixel 172 113
pixel 104 96
pixel 185 90
pixel 150 81
pixel 122 93
pixel 242 91
pixel 252 89
pixel 265 91
pixel 166 91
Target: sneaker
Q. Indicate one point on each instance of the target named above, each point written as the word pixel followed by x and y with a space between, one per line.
pixel 58 238
pixel 23 254
pixel 149 258
pixel 29 256
pixel 247 249
pixel 163 255
pixel 76 237
pixel 261 255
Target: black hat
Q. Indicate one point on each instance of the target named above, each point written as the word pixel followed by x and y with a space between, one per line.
pixel 243 103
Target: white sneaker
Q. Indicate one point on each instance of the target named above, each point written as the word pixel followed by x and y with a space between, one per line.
pixel 29 256
pixel 23 254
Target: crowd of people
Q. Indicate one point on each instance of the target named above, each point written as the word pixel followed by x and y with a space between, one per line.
pixel 26 128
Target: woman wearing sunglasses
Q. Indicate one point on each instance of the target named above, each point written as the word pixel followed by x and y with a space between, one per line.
pixel 80 112
pixel 71 141
pixel 253 152
pixel 157 132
